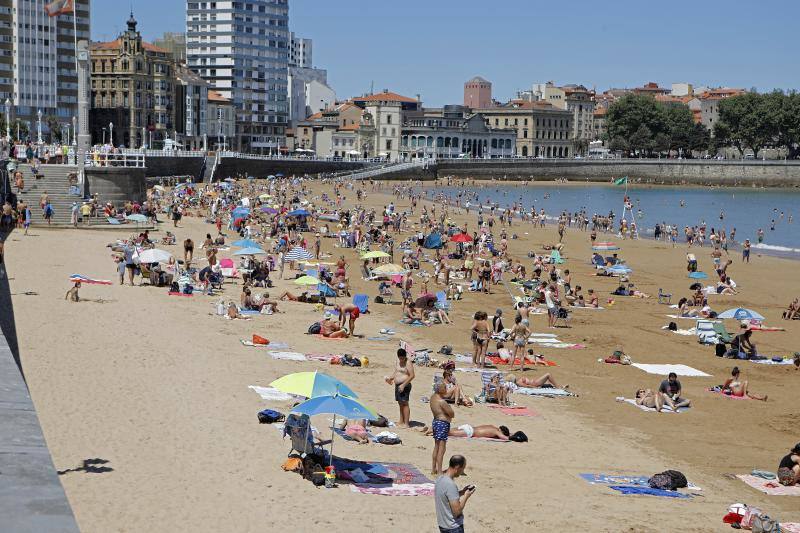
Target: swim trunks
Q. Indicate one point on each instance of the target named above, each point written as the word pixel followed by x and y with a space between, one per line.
pixel 441 430
pixel 355 313
pixel 466 428
pixel 404 395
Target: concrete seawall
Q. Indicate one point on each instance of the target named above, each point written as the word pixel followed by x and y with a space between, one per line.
pixel 671 172
pixel 32 499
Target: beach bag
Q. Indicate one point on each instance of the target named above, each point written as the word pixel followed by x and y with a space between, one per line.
pixel 379 299
pixel 519 436
pixel 672 326
pixel 749 517
pixel 349 360
pixel 380 422
pixel 174 287
pixel 446 350
pixel 257 339
pixel 422 358
pixel 383 439
pixel 720 350
pixel 765 524
pixel 292 464
pixel 315 328
pixel 188 289
pixel 668 480
pixel 268 416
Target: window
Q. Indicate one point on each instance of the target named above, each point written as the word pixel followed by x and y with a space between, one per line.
pixel 524 134
pixel 389 119
pixel 506 122
pixel 388 144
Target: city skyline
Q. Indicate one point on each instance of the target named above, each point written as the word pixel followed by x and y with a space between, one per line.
pixel 436 48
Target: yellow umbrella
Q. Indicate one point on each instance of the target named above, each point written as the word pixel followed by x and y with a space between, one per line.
pixel 307 280
pixel 375 254
pixel 389 269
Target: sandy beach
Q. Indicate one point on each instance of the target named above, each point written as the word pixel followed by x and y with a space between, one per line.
pixel 157 386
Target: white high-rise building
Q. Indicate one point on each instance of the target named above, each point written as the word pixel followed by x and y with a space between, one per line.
pixel 242 49
pixel 37 62
pixel 299 51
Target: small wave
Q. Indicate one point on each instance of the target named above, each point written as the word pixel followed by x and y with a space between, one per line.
pixel 772 247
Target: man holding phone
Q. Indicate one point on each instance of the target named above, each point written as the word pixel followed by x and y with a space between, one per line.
pixel 450 501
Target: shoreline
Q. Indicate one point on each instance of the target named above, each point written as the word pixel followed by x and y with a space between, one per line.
pixel 783 252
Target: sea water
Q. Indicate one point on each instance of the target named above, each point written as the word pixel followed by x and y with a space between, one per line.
pixel 774 211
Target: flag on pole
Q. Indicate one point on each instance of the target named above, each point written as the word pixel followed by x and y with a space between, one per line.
pixel 59 7
pixel 621 181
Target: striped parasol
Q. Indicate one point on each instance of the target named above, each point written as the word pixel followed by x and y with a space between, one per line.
pixel 298 254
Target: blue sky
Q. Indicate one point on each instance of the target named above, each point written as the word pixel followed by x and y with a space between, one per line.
pixel 431 47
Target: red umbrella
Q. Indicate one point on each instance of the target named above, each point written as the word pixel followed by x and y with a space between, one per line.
pixel 461 237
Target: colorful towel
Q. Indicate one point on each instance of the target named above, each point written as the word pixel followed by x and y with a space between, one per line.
pixel 382 474
pixel 496 360
pixel 790 527
pixel 247 312
pixel 638 489
pixel 515 411
pixel 666 409
pixel 425 489
pixel 89 281
pixel 179 294
pixel 719 392
pixel 616 479
pixel 271 394
pixel 773 488
pixel 345 436
pixel 663 370
pixel 324 357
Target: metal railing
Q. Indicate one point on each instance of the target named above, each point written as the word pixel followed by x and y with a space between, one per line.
pixel 128 159
pixel 385 169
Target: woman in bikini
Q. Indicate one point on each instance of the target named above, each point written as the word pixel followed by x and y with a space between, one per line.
pixel 534 383
pixel 520 334
pixel 650 398
pixel 735 387
pixel 480 337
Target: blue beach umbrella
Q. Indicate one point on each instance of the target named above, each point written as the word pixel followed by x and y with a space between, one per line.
pixel 298 213
pixel 240 212
pixel 136 218
pixel 619 270
pixel 245 243
pixel 250 251
pixel 298 253
pixel 698 275
pixel 740 313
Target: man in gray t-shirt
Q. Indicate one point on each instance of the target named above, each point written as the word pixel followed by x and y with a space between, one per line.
pixel 450 501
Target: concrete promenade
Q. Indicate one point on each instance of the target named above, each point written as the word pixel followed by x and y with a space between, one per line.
pixel 31 496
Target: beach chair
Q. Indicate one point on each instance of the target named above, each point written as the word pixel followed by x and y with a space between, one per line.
pixel 228 268
pixel 144 270
pixel 663 297
pixel 298 427
pixel 441 301
pixel 706 332
pixel 562 317
pixel 488 389
pixel 722 333
pixel 362 301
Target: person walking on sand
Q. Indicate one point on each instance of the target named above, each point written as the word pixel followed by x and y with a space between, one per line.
pixel 450 501
pixel 442 417
pixel 401 379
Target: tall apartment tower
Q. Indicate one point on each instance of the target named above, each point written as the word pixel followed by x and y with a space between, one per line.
pixel 478 93
pixel 299 51
pixel 37 60
pixel 242 49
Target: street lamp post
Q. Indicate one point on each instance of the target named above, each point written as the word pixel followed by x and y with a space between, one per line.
pixel 8 119
pixel 39 127
pixel 111 133
pixel 75 130
pixel 104 136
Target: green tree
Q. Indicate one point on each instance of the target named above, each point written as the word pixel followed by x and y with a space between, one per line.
pixel 749 121
pixel 662 143
pixel 619 144
pixel 629 113
pixel 642 140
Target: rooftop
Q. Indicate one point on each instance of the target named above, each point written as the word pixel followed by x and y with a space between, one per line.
pixel 385 96
pixel 116 44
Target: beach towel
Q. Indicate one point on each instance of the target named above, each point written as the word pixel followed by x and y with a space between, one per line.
pixel 345 436
pixel 553 335
pixel 425 489
pixel 476 369
pixel 271 393
pixel 618 479
pixel 773 488
pixel 324 357
pixel 273 345
pixel 289 356
pixel 542 391
pixel 514 411
pixel 415 323
pixel 89 281
pixel 483 439
pixel 790 527
pixel 180 294
pixel 663 370
pixel 497 360
pixel 719 392
pixel 379 338
pixel 248 312
pixel 785 361
pixel 638 489
pixel 666 409
pixel 684 317
pixel 684 332
pixel 574 307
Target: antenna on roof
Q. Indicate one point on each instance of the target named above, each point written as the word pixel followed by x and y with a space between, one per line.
pixel 372 87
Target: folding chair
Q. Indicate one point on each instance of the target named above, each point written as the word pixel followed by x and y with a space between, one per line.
pixel 562 316
pixel 488 390
pixel 722 333
pixel 706 332
pixel 298 427
pixel 663 297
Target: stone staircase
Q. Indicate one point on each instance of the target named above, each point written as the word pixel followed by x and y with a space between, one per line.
pixel 55 180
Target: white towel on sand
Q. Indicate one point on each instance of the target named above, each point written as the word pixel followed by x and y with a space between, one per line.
pixel 289 356
pixel 663 370
pixel 271 394
pixel 666 409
